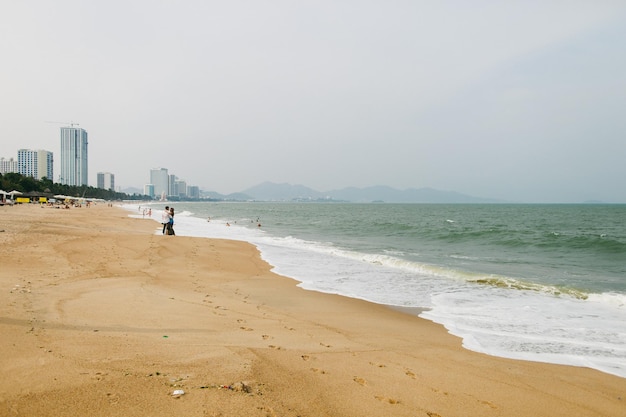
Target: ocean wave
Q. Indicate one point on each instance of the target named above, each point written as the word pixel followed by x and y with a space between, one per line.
pixel 596 243
pixel 516 284
pixel 425 269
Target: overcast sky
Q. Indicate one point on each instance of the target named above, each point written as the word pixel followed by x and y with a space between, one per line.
pixel 516 100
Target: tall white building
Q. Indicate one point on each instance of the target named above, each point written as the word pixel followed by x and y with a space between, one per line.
pixel 36 164
pixel 159 178
pixel 106 181
pixel 8 165
pixel 74 161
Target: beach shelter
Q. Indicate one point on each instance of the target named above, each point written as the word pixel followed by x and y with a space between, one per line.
pixel 14 193
pixel 65 198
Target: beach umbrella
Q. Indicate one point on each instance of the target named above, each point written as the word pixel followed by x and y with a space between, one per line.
pixel 3 192
pixel 15 192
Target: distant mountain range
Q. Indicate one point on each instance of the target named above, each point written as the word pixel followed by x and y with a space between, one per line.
pixel 269 191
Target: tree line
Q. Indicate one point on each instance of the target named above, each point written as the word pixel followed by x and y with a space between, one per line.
pixel 25 184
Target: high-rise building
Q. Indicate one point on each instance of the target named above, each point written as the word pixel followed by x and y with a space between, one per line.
pixel 148 189
pixel 172 185
pixel 181 188
pixel 106 181
pixel 8 165
pixel 74 161
pixel 193 191
pixel 159 178
pixel 36 164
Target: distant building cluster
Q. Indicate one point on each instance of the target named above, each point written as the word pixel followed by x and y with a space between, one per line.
pixel 165 186
pixel 8 165
pixel 74 168
pixel 74 162
pixel 32 163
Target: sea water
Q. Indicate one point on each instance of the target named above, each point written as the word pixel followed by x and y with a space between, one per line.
pixel 536 282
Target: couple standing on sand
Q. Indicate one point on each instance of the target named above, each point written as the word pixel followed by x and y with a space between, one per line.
pixel 167 218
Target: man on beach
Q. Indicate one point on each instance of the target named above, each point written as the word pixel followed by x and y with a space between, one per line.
pixel 165 218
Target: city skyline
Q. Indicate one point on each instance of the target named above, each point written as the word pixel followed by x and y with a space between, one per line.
pixel 74 157
pixel 40 163
pixel 163 184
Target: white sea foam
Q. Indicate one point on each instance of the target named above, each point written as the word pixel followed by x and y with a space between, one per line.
pixel 610 298
pixel 535 326
pixel 505 317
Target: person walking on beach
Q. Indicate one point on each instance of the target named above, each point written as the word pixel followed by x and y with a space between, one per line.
pixel 165 218
pixel 170 224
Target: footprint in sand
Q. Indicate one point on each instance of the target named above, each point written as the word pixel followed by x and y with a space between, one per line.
pixel 359 381
pixel 489 404
pixel 319 371
pixel 266 336
pixel 380 365
pixel 269 411
pixel 325 345
pixel 247 329
pixel 275 347
pixel 410 374
pixel 306 357
pixel 387 400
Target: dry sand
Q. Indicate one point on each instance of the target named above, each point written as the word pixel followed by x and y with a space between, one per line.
pixel 99 316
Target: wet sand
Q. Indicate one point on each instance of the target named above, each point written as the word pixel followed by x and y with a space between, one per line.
pixel 100 316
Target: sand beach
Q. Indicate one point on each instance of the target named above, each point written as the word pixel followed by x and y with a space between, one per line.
pixel 101 316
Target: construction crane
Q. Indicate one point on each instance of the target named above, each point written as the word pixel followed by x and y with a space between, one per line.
pixel 72 124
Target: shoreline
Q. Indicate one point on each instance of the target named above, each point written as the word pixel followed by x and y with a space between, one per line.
pixel 102 316
pixel 548 316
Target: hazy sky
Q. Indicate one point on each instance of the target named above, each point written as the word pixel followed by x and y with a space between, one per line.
pixel 517 100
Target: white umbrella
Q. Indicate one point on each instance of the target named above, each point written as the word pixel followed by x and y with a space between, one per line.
pixel 3 192
pixel 15 192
